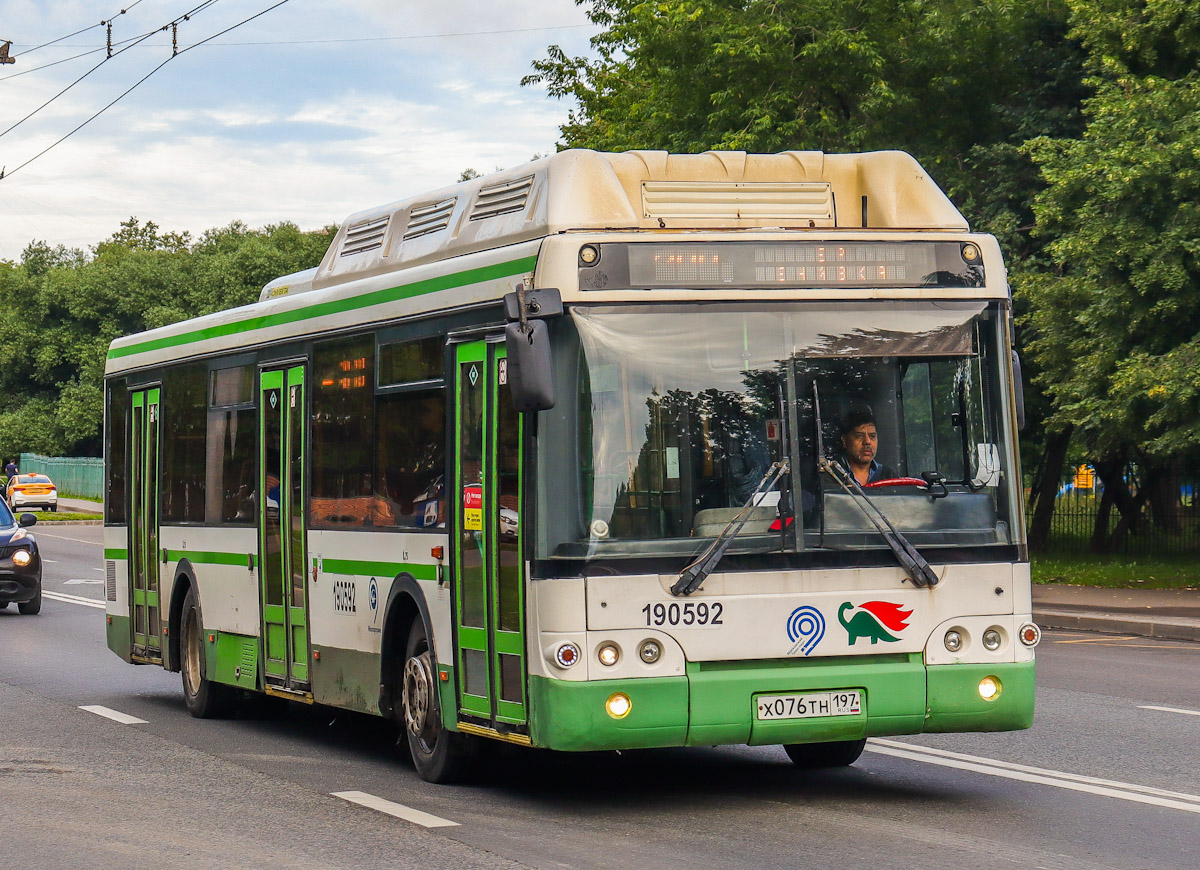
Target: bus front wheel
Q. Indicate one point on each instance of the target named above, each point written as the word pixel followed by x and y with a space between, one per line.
pixel 438 755
pixel 810 756
pixel 204 698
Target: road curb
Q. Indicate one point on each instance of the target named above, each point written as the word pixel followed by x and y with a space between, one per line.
pixel 1116 623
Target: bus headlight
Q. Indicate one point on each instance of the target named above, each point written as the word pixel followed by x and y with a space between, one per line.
pixel 21 558
pixel 992 640
pixel 989 688
pixel 609 654
pixel 650 651
pixel 618 705
pixel 953 641
pixel 566 654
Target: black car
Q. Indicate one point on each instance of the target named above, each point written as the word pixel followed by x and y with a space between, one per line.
pixel 20 564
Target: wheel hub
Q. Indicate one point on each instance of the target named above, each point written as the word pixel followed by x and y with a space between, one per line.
pixel 418 696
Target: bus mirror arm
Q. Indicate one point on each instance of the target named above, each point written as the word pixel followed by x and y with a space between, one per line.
pixel 530 365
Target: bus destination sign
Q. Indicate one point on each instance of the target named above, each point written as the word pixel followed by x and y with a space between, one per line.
pixel 792 264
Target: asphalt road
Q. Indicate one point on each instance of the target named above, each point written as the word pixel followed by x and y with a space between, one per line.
pixel 1107 778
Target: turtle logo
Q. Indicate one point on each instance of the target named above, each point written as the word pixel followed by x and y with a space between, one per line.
pixel 873 620
pixel 805 627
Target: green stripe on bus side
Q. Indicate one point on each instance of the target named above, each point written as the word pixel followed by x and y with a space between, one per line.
pixel 379 569
pixel 116 554
pixel 202 557
pixel 335 306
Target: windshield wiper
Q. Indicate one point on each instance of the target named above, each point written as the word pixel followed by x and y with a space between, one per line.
pixel 906 554
pixel 694 574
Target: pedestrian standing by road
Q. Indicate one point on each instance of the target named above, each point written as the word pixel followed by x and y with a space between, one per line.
pixel 10 468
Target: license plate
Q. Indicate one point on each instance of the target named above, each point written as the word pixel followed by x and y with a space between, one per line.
pixel 847 702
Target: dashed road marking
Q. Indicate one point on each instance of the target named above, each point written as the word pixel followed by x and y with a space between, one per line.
pixel 115 715
pixel 73 599
pixel 90 581
pixel 1142 794
pixel 394 809
pixel 1169 710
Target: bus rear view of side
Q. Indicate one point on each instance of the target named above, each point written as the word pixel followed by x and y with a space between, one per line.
pixel 605 451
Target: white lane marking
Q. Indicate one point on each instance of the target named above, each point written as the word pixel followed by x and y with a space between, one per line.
pixel 45 534
pixel 49 561
pixel 393 809
pixel 73 599
pixel 1170 710
pixel 90 581
pixel 115 715
pixel 1189 803
pixel 98 569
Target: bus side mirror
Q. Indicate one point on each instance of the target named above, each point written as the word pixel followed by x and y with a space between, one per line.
pixel 527 340
pixel 1019 390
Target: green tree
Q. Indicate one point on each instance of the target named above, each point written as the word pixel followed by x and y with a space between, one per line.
pixel 1116 315
pixel 64 307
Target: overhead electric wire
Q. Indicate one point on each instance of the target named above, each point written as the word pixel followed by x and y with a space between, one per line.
pixel 139 81
pixel 104 22
pixel 128 43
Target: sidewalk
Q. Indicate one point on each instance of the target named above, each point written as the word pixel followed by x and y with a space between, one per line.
pixel 1165 613
pixel 80 506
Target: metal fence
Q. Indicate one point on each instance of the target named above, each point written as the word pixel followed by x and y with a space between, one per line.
pixel 81 476
pixel 1175 530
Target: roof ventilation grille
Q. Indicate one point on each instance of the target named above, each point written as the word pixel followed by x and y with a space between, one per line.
pixel 498 199
pixel 748 200
pixel 429 218
pixel 365 236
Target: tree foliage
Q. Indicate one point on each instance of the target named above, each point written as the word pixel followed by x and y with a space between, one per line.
pixel 1117 315
pixel 63 307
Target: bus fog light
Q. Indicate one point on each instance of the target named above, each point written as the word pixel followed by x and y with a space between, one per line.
pixel 566 654
pixel 21 558
pixel 618 705
pixel 609 654
pixel 992 640
pixel 989 688
pixel 953 641
pixel 588 255
pixel 1030 634
pixel 650 651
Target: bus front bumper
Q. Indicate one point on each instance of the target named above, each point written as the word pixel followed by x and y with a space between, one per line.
pixel 715 703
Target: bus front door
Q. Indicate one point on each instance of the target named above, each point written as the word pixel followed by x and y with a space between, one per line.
pixel 489 597
pixel 282 535
pixel 143 526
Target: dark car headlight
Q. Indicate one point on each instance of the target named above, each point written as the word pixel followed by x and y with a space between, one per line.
pixel 21 558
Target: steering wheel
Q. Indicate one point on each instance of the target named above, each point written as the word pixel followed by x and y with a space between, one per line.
pixel 897 481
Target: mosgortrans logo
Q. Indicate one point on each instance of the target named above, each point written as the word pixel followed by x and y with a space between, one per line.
pixel 876 620
pixel 805 628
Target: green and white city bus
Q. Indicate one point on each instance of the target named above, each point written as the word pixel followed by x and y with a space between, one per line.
pixel 553 457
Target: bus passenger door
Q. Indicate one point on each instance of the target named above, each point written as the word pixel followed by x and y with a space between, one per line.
pixel 143 526
pixel 489 597
pixel 282 534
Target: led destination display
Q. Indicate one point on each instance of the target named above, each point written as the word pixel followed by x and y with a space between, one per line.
pixel 799 264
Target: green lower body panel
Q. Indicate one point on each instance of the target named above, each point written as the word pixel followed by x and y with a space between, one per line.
pixel 232 659
pixel 120 636
pixel 346 678
pixel 956 705
pixel 716 703
pixel 572 716
pixel 724 695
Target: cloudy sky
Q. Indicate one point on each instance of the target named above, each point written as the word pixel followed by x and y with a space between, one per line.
pixel 312 111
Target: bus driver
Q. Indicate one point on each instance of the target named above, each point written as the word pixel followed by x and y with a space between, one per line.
pixel 860 442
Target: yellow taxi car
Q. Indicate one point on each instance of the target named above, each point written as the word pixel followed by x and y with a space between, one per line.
pixel 32 490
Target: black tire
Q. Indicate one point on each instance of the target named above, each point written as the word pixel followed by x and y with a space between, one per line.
pixel 53 508
pixel 440 756
pixel 33 605
pixel 204 698
pixel 811 756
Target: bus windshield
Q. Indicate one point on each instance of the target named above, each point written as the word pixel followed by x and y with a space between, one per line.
pixel 671 416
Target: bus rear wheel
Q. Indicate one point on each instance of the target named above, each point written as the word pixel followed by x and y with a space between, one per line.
pixel 811 756
pixel 204 698
pixel 439 755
